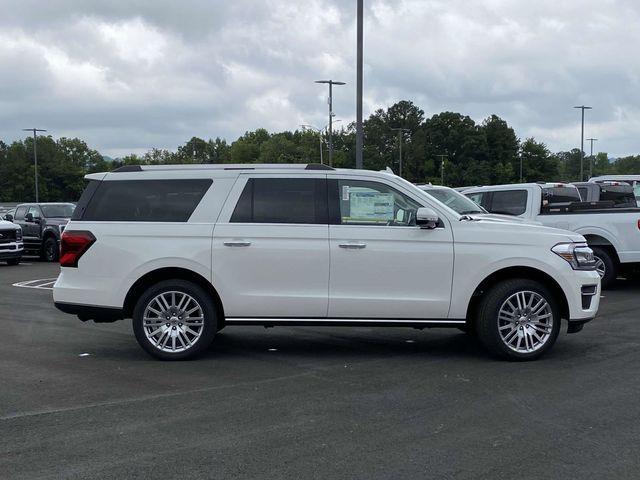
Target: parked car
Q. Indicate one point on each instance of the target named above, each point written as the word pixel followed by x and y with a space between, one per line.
pixel 464 206
pixel 11 246
pixel 620 194
pixel 187 250
pixel 42 224
pixel 612 233
pixel 633 180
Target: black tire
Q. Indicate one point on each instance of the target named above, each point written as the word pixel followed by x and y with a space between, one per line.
pixel 50 250
pixel 209 323
pixel 610 266
pixel 487 323
pixel 13 261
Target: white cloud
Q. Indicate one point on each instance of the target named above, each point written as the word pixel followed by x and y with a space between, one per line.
pixel 129 77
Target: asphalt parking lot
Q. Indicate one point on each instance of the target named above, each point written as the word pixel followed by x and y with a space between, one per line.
pixel 84 401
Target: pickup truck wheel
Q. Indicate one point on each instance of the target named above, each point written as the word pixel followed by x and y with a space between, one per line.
pixel 50 250
pixel 13 261
pixel 518 319
pixel 605 266
pixel 175 320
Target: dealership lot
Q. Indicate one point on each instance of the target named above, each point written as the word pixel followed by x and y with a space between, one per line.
pixel 84 401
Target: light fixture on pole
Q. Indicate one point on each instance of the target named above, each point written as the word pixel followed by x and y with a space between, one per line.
pixel 319 132
pixel 35 155
pixel 583 108
pixel 331 83
pixel 591 156
pixel 400 131
pixel 442 159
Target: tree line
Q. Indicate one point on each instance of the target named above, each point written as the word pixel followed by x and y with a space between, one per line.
pixel 474 154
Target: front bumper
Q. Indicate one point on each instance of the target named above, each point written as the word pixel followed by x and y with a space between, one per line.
pixel 583 298
pixel 11 251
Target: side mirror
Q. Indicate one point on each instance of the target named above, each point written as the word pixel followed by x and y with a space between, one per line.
pixel 8 217
pixel 29 217
pixel 427 218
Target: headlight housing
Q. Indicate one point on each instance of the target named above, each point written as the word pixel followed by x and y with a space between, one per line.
pixel 579 255
pixel 19 234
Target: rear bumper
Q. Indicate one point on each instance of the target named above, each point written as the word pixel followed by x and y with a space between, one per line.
pixel 91 312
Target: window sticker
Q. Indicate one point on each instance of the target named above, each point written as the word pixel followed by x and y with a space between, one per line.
pixel 345 193
pixel 371 206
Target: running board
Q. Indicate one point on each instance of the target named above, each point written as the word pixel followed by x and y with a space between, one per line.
pixel 344 322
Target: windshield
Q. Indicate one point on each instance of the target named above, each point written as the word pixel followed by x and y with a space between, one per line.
pixel 454 200
pixel 61 210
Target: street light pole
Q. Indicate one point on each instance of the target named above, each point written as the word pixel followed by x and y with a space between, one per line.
pixel 35 155
pixel 359 130
pixel 591 156
pixel 583 108
pixel 331 83
pixel 442 158
pixel 400 130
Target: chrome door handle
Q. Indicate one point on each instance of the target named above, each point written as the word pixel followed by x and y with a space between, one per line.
pixel 352 245
pixel 237 243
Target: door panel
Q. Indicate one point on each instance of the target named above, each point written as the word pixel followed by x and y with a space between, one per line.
pixel 264 267
pixel 390 269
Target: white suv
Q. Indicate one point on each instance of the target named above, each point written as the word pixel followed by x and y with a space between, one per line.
pixel 187 250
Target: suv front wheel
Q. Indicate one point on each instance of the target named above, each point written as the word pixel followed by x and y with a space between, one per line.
pixel 518 319
pixel 175 320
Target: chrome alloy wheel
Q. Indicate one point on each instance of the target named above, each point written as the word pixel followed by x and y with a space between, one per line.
pixel 173 321
pixel 525 321
pixel 601 267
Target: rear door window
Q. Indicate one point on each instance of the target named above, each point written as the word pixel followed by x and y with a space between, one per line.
pixel 282 200
pixel 509 202
pixel 146 200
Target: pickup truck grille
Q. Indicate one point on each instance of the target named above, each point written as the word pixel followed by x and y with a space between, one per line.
pixel 7 236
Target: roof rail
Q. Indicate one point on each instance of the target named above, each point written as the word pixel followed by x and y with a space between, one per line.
pixel 318 166
pixel 127 168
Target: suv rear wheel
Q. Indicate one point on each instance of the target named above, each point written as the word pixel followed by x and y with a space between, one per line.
pixel 518 319
pixel 175 320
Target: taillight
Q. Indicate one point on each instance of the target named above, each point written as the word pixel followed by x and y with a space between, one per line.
pixel 73 244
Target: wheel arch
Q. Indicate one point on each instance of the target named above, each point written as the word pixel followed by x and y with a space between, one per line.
pixel 507 273
pixel 595 240
pixel 169 273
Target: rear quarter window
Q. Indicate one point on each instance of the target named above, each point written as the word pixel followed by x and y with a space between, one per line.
pixel 509 202
pixel 144 200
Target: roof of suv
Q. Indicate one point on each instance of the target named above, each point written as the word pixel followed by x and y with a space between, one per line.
pixel 225 166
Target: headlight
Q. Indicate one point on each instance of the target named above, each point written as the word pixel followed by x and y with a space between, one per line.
pixel 579 255
pixel 19 234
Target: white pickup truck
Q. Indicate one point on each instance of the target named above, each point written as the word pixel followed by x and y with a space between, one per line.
pixel 612 233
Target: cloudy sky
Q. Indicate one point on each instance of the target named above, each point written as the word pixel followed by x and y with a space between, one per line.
pixel 131 75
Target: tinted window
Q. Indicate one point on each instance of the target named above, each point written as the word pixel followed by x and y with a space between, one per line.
pixel 621 196
pixel 282 200
pixel 584 193
pixel 146 200
pixel 560 196
pixel 373 203
pixel 20 211
pixel 509 202
pixel 62 210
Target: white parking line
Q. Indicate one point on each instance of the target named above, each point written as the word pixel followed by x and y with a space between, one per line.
pixel 41 283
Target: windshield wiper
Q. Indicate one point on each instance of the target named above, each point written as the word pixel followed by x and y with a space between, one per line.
pixel 470 212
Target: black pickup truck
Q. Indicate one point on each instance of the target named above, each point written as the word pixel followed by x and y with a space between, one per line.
pixel 42 224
